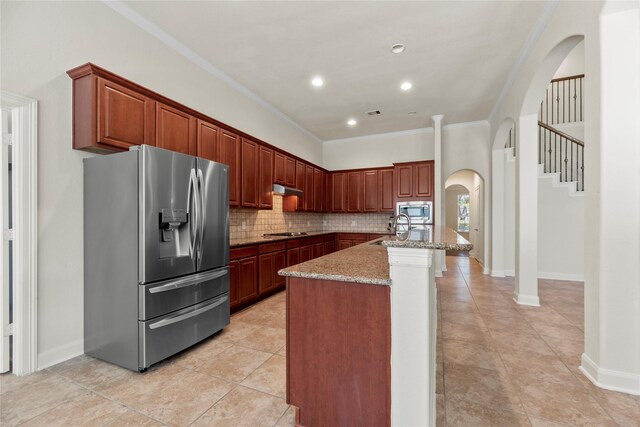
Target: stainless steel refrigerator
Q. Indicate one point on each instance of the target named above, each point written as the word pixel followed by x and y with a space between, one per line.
pixel 156 254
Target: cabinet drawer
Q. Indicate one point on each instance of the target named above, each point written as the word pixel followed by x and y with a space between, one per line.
pixel 167 335
pixel 170 295
pixel 293 243
pixel 273 247
pixel 244 252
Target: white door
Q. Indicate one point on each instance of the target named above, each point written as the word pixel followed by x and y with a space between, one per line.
pixel 476 221
pixel 5 248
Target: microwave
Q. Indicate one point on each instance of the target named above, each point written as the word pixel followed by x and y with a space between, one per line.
pixel 420 213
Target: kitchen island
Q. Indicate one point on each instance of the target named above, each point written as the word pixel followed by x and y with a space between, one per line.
pixel 361 332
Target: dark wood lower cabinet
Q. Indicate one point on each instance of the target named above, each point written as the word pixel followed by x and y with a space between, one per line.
pixel 254 269
pixel 348 348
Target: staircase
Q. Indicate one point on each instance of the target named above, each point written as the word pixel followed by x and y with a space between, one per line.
pixel 559 153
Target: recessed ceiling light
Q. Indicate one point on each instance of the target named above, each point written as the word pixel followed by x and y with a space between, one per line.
pixel 406 86
pixel 317 81
pixel 397 48
pixel 352 122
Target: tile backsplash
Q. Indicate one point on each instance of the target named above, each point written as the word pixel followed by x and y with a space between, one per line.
pixel 248 223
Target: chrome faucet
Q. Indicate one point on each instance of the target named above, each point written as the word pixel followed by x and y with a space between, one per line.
pixel 395 222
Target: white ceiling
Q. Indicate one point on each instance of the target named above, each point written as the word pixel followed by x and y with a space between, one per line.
pixel 458 56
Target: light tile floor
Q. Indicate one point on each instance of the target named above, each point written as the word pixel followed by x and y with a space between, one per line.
pixel 497 364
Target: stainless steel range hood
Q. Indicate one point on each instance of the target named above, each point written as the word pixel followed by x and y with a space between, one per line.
pixel 286 191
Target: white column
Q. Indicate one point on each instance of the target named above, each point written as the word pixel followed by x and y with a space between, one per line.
pixel 612 227
pixel 526 289
pixel 413 337
pixel 497 213
pixel 438 200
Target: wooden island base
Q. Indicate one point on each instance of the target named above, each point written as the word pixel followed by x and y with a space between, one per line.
pixel 338 352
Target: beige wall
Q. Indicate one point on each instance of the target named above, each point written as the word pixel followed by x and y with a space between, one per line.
pixel 40 41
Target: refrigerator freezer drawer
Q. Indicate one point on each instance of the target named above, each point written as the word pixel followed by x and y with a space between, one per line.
pixel 164 297
pixel 166 336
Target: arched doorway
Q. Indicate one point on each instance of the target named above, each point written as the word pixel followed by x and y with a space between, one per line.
pixel 465 209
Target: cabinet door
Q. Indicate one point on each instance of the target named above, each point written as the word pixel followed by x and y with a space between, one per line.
pixel 208 141
pixel 293 256
pixel 424 179
pixel 233 282
pixel 371 192
pixel 300 181
pixel 344 244
pixel 266 178
pixel 125 118
pixel 230 156
pixel 328 193
pixel 354 192
pixel 318 190
pixel 309 197
pixel 317 250
pixel 250 173
pixel 280 262
pixel 305 253
pixel 404 180
pixel 338 194
pixel 247 279
pixel 279 168
pixel 265 273
pixel 329 247
pixel 289 171
pixel 385 185
pixel 175 130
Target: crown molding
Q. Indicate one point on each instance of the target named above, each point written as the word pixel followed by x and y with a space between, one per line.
pixel 381 135
pixel 151 28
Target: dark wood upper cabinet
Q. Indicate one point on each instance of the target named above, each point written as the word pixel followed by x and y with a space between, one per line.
pixel 266 178
pixel 371 193
pixel 414 181
pixel 279 168
pixel 124 118
pixel 175 130
pixel 289 171
pixel 318 190
pixel 338 192
pixel 300 184
pixel 208 140
pixel 284 169
pixel 230 154
pixel 404 180
pixel 385 185
pixel 309 196
pixel 354 191
pixel 250 173
pixel 424 179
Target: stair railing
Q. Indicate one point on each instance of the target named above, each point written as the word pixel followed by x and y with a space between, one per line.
pixel 561 153
pixel 563 101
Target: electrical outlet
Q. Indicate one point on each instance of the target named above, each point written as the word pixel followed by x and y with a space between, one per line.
pixel 244 225
pixel 324 223
pixel 353 223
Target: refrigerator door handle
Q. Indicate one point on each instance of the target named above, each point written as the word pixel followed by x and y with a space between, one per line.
pixel 202 213
pixel 193 224
pixel 190 281
pixel 171 320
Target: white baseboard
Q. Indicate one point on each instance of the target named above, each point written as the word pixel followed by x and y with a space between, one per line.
pixel 561 276
pixel 60 354
pixel 497 273
pixel 532 300
pixel 510 273
pixel 611 380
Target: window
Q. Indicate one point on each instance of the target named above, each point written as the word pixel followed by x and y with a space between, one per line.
pixel 463 212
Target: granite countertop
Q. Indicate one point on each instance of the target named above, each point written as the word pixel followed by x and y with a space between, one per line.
pixel 365 263
pixel 260 239
pixel 434 237
pixel 368 262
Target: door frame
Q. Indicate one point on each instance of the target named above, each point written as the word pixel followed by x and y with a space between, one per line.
pixel 24 123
